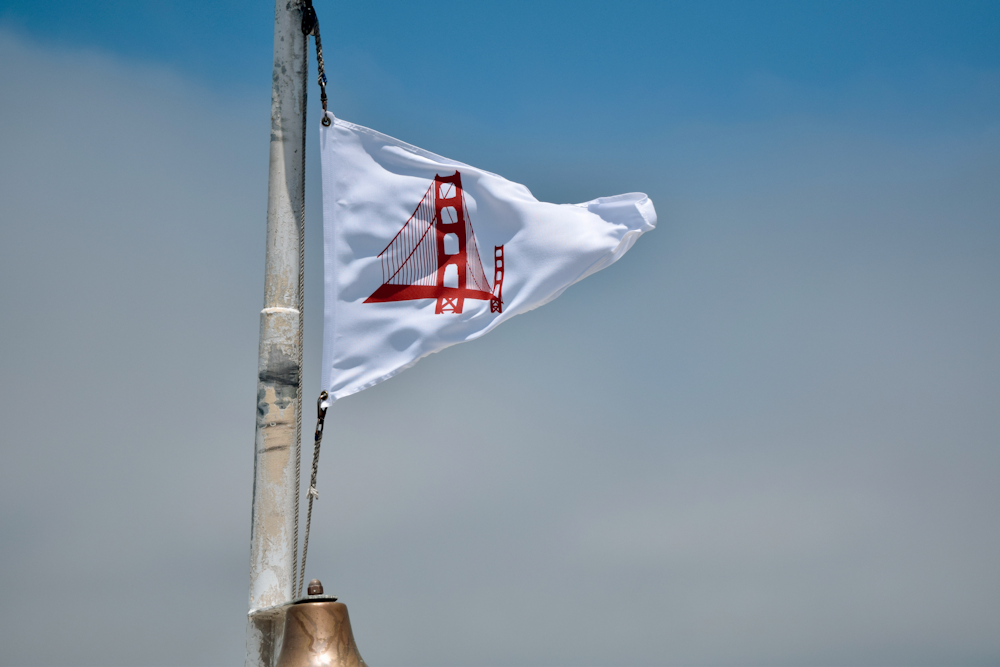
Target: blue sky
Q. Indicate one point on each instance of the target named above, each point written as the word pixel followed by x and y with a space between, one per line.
pixel 767 436
pixel 682 61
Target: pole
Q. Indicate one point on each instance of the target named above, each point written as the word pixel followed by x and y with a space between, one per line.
pixel 273 538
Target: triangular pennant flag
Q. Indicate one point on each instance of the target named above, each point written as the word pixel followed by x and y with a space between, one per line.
pixel 423 252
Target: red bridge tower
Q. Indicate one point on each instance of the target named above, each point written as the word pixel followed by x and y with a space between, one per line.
pixel 443 265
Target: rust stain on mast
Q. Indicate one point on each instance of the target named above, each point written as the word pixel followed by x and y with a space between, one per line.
pixel 278 370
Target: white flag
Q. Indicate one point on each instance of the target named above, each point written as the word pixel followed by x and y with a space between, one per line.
pixel 422 252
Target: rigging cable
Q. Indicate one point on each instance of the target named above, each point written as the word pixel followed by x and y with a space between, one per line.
pixel 310 26
pixel 313 493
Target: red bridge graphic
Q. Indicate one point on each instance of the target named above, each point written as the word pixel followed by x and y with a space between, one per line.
pixel 443 265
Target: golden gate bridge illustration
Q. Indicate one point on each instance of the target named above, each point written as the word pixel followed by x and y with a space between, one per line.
pixel 443 265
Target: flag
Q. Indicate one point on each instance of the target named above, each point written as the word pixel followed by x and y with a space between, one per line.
pixel 422 252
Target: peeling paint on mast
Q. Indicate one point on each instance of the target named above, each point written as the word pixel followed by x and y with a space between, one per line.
pixel 279 372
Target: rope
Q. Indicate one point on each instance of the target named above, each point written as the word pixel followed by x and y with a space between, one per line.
pixel 299 335
pixel 313 493
pixel 310 26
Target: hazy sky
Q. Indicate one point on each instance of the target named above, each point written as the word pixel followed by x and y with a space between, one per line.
pixel 770 435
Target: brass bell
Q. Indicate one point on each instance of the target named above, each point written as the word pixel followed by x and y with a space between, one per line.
pixel 318 633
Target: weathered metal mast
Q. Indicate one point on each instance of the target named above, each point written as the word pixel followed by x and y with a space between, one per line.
pixel 279 396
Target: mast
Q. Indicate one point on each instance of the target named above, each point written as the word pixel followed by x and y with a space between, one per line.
pixel 273 547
